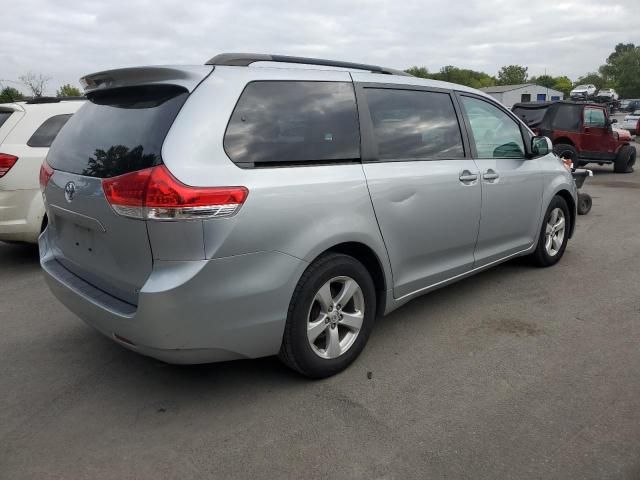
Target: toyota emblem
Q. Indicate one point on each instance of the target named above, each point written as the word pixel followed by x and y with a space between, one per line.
pixel 69 191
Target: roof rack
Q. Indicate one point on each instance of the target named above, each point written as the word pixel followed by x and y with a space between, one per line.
pixel 36 100
pixel 246 59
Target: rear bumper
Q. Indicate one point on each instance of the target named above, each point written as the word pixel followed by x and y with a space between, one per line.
pixel 21 214
pixel 190 311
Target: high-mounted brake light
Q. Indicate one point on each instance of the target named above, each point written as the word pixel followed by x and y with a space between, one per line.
pixel 155 194
pixel 6 162
pixel 45 174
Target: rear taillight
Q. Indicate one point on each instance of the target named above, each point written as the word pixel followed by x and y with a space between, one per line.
pixel 155 194
pixel 6 162
pixel 45 174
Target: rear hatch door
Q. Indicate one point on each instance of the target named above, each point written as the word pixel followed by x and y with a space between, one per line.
pixel 119 130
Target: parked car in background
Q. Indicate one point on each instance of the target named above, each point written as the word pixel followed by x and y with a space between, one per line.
pixel 632 123
pixel 582 132
pixel 277 229
pixel 631 105
pixel 607 95
pixel 583 92
pixel 26 132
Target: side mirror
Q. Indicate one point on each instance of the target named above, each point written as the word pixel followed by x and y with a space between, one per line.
pixel 612 121
pixel 541 146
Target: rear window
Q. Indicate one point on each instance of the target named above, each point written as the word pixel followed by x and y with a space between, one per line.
pixel 293 122
pixel 117 131
pixel 4 116
pixel 46 133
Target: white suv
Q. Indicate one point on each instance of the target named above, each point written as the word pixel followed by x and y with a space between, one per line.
pixel 26 132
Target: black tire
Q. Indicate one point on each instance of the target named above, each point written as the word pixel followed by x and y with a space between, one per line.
pixel 625 160
pixel 564 150
pixel 584 203
pixel 540 256
pixel 296 351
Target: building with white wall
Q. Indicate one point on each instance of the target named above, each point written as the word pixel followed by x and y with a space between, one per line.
pixel 509 95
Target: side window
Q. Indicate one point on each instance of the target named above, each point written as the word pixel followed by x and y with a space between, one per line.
pixel 4 116
pixel 496 135
pixel 414 125
pixel 567 118
pixel 46 133
pixel 294 122
pixel 594 117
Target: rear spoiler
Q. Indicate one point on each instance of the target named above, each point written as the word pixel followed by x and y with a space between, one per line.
pixel 187 77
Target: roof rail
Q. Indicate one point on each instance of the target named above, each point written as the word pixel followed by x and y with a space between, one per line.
pixel 246 59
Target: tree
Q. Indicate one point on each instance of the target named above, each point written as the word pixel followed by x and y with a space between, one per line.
pixel 622 69
pixel 420 72
pixel 512 75
pixel 464 76
pixel 593 78
pixel 35 82
pixel 10 94
pixel 68 90
pixel 627 73
pixel 564 84
pixel 544 81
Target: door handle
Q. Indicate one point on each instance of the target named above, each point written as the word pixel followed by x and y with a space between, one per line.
pixel 490 175
pixel 467 177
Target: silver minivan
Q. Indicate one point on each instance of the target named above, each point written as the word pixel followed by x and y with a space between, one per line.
pixel 264 204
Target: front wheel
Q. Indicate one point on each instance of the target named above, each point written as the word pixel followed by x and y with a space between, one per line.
pixel 330 317
pixel 554 234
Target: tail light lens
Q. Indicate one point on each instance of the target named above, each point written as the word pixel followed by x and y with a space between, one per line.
pixel 6 162
pixel 155 194
pixel 45 174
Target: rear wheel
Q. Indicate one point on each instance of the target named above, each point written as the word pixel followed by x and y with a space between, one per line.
pixel 564 150
pixel 625 160
pixel 330 317
pixel 554 234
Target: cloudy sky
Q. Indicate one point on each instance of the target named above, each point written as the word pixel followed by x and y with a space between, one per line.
pixel 65 39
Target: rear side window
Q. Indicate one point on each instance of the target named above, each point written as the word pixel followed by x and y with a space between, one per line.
pixel 294 122
pixel 4 116
pixel 117 131
pixel 531 116
pixel 414 125
pixel 567 118
pixel 46 133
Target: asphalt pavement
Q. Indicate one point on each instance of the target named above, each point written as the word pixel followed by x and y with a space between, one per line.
pixel 518 372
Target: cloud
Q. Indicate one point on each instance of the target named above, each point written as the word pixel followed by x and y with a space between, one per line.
pixel 67 38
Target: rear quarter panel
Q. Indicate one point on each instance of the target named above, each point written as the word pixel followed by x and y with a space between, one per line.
pixel 300 211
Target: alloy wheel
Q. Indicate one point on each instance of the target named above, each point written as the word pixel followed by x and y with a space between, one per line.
pixel 335 317
pixel 554 232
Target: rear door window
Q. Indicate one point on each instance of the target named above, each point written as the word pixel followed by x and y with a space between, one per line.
pixel 414 124
pixel 496 134
pixel 294 122
pixel 46 133
pixel 117 131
